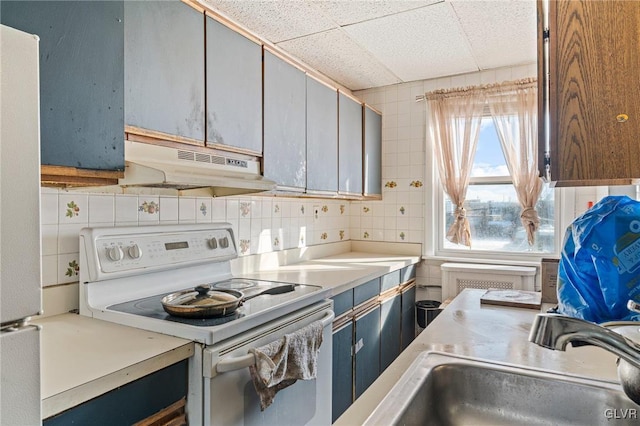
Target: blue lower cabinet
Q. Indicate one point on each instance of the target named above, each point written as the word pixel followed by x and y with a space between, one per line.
pixel 390 326
pixel 408 316
pixel 342 302
pixel 130 403
pixel 342 395
pixel 367 349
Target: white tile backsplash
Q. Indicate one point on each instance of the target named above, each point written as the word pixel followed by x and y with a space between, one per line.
pixel 187 210
pixel 126 210
pixel 49 270
pixel 68 238
pixel 49 239
pixel 168 209
pixel 101 210
pixel 49 208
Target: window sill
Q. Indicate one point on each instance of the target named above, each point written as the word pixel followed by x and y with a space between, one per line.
pixel 493 259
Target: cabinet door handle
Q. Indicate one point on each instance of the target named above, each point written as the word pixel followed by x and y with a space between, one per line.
pixel 359 345
pixel 243 361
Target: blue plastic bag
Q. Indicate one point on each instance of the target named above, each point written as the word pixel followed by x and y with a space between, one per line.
pixel 599 268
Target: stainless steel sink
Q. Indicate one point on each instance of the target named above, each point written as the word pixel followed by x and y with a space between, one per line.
pixel 442 389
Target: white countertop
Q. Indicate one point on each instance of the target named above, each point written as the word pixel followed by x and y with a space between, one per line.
pixel 339 272
pixel 483 331
pixel 82 358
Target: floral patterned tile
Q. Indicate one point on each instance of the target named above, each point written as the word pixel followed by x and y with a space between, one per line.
pixel 204 210
pixel 149 209
pixel 68 268
pixel 73 208
pixel 245 209
pixel 244 247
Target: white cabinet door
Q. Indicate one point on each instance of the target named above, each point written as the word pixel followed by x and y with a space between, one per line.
pixel 20 286
pixel 20 377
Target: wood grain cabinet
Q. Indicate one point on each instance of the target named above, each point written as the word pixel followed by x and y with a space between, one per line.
pixel 81 83
pixel 594 98
pixel 349 145
pixel 285 158
pixel 234 90
pixel 372 159
pixel 164 70
pixel 322 138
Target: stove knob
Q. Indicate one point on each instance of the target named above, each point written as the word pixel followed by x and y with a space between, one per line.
pixel 224 242
pixel 134 251
pixel 115 253
pixel 212 243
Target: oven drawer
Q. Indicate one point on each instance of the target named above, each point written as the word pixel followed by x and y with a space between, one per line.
pixel 229 395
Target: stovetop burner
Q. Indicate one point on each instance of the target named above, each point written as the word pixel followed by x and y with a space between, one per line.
pixel 235 284
pixel 151 307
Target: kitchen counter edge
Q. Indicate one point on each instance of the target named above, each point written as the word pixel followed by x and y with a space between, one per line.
pixel 495 333
pixel 83 358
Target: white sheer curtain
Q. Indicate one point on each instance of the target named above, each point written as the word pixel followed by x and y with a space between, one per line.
pixel 453 124
pixel 514 108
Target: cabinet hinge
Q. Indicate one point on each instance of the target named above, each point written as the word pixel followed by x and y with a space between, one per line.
pixel 545 34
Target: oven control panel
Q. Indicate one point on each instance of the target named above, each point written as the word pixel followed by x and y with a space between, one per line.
pixel 119 253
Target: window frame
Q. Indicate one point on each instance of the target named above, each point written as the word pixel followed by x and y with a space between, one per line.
pixel 434 245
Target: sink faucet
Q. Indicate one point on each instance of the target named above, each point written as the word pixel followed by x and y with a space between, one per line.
pixel 553 331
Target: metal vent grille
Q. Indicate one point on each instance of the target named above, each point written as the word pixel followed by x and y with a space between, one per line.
pixel 483 285
pixel 216 159
pixel 186 155
pixel 203 158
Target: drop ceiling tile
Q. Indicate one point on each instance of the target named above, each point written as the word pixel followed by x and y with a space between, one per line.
pixel 335 55
pixel 349 12
pixel 421 44
pixel 274 20
pixel 501 33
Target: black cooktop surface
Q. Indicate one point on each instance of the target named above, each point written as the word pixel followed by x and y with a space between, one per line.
pixel 151 307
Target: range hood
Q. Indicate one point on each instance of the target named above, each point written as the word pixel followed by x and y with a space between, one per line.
pixel 183 171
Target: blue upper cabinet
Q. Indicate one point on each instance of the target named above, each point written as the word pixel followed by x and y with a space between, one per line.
pixel 234 90
pixel 81 80
pixel 322 138
pixel 372 160
pixel 284 123
pixel 164 70
pixel 349 146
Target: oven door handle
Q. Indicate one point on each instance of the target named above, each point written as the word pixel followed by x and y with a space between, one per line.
pixel 240 362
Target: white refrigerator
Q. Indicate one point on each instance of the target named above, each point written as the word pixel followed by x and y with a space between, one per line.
pixel 20 265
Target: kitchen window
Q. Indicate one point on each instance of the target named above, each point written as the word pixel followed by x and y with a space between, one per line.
pixel 492 206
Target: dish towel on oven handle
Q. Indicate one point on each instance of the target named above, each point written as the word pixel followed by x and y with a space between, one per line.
pixel 282 362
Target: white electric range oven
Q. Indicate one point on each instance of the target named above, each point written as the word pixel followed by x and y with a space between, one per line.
pixel 126 271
